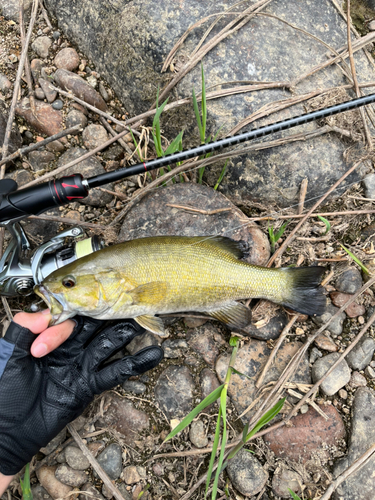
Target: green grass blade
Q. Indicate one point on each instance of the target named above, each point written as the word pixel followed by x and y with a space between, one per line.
pixel 214 450
pixel 25 485
pixel 326 222
pixel 175 145
pixel 223 406
pixel 221 176
pixel 211 398
pixel 294 495
pixel 362 266
pixel 267 417
pixel 281 231
pixel 198 117
pixel 136 146
pixel 204 104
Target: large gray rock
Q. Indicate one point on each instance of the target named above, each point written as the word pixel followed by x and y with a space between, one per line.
pixel 129 41
pixel 359 485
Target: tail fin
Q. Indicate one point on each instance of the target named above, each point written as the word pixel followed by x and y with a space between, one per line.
pixel 304 293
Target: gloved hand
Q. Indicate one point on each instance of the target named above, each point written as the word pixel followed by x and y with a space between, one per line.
pixel 40 396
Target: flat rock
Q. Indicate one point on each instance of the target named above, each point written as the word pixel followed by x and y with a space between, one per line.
pixel 131 474
pixel 337 379
pixel 174 348
pixel 174 391
pixel 69 476
pixel 250 361
pixel 360 485
pixel 246 473
pixel 361 354
pixel 41 46
pixel 48 121
pixel 75 458
pixel 94 135
pixel 353 310
pixel 308 436
pixel 350 281
pixel 152 217
pixel 198 434
pixel 148 31
pixel 67 59
pixel 48 90
pixel 202 340
pixel 125 419
pixel 111 460
pixel 46 477
pixel 88 168
pixel 80 88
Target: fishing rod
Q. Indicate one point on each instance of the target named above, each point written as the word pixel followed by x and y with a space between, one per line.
pixel 19 274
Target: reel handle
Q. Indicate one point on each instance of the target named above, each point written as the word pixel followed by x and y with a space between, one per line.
pixel 16 205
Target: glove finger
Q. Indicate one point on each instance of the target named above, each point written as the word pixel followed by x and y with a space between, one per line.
pixel 130 366
pixel 112 338
pixel 84 330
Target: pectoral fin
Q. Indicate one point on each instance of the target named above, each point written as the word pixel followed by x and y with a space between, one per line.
pixel 234 314
pixel 151 323
pixel 152 293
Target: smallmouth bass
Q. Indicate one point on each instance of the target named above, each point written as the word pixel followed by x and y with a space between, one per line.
pixel 168 274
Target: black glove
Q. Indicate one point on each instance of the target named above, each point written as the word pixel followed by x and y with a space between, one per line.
pixel 40 396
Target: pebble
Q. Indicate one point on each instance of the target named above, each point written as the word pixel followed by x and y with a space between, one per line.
pixel 325 343
pixel 92 493
pixel 39 493
pixel 67 59
pixel 91 80
pixel 360 485
pixel 198 435
pixel 54 443
pixel 55 147
pixel 146 339
pixel 47 120
pixel 314 355
pixel 40 160
pixel 353 310
pixel 357 380
pixel 41 46
pixel 5 84
pixel 103 92
pixel 202 340
pixel 56 35
pixel 336 326
pixel 369 185
pixel 69 476
pixel 48 91
pixel 246 473
pixel 308 432
pixel 75 117
pixel 134 386
pixel 174 348
pixel 76 459
pixel 208 383
pixel 174 391
pixel 47 478
pixel 361 354
pixel 370 372
pixel 80 88
pixel 39 94
pixel 111 460
pixel 285 479
pixel 343 394
pixel 58 104
pixel 158 469
pixel 349 281
pixel 94 136
pixel 337 379
pixel 131 474
pixel 122 416
pixel 37 69
pixel 271 330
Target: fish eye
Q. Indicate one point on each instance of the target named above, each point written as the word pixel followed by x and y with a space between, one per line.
pixel 69 281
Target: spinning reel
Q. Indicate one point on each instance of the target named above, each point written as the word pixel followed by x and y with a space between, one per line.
pixel 19 271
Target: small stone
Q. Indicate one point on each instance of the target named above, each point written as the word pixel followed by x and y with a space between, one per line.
pixel 174 348
pixel 371 25
pixel 370 372
pixel 70 476
pixel 67 59
pixel 56 35
pixel 369 185
pixel 91 80
pixel 47 120
pixel 124 492
pixel 134 386
pixel 353 310
pixel 92 493
pixel 48 90
pixel 37 67
pixel 46 477
pixel 246 473
pixel 70 81
pixel 54 443
pixel 304 409
pixel 158 469
pixel 325 343
pixel 349 281
pixel 343 394
pixel 13 58
pixel 361 354
pixel 174 391
pixel 198 435
pixel 75 117
pixel 58 104
pixel 41 46
pixel 107 493
pixel 285 479
pixel 39 493
pixel 75 458
pixel 131 475
pixel 40 160
pixel 308 433
pixel 208 382
pixel 202 341
pixel 314 355
pixel 55 147
pixel 94 135
pixel 5 84
pixel 39 94
pixel 337 379
pixel 111 460
pixel 271 330
pixel 357 380
pixel 336 325
pixel 103 92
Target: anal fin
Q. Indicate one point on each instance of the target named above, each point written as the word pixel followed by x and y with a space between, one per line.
pixel 152 324
pixel 234 315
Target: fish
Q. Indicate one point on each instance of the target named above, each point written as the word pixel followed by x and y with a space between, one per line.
pixel 146 277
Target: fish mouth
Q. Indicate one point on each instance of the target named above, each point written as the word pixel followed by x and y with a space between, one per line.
pixel 57 307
